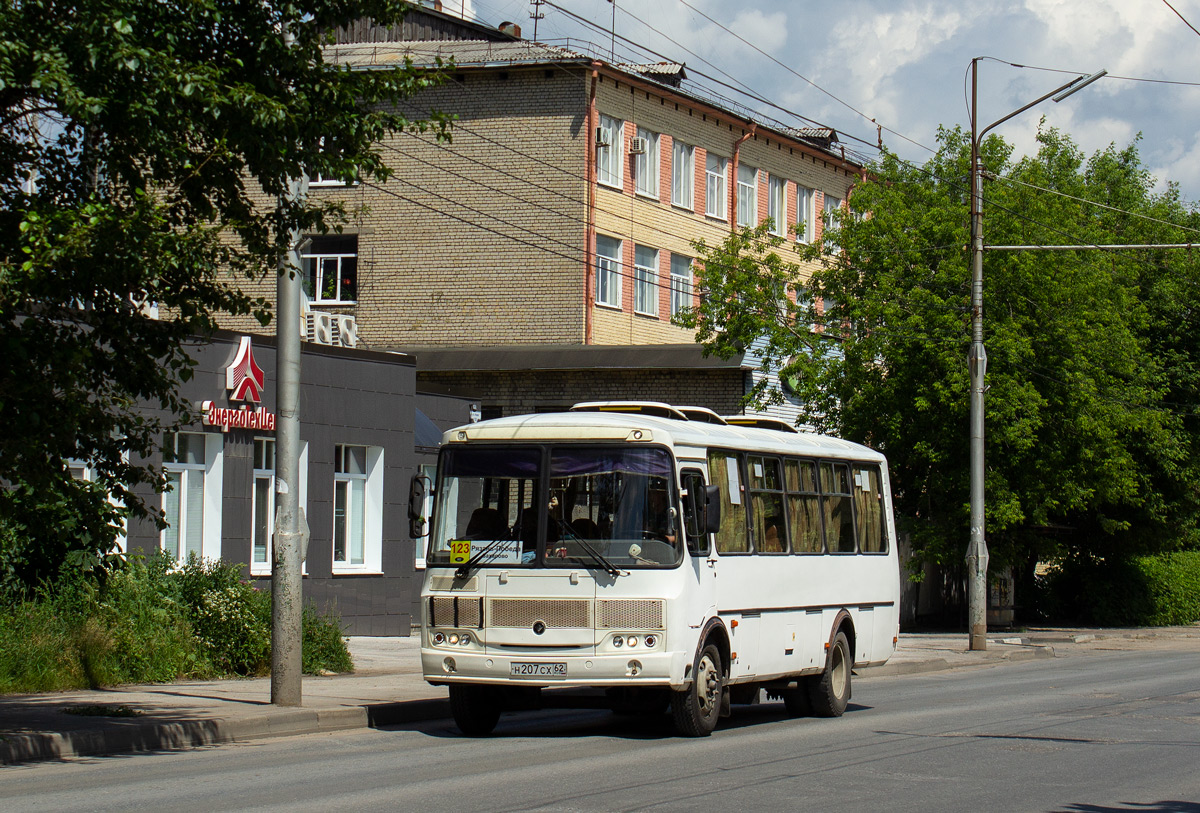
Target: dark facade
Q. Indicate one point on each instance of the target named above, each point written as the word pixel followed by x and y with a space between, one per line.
pixel 359 416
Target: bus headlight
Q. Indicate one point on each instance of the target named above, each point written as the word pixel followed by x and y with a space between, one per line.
pixel 650 641
pixel 465 639
pixel 618 641
pixel 439 638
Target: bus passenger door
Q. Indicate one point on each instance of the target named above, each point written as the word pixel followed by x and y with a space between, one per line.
pixel 700 552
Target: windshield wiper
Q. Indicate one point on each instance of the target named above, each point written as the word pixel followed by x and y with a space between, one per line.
pixel 464 570
pixel 569 532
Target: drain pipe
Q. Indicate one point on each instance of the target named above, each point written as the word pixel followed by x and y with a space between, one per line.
pixel 733 185
pixel 589 262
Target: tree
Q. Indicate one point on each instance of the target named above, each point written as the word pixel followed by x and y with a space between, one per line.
pixel 1092 362
pixel 138 142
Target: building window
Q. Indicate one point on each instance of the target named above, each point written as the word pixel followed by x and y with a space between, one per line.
pixel 683 174
pixel 357 508
pixel 832 204
pixel 331 268
pixel 645 290
pixel 264 505
pixel 747 195
pixel 777 205
pixel 608 271
pixel 715 169
pixel 608 151
pixel 191 505
pixel 645 164
pixel 681 283
pixel 806 213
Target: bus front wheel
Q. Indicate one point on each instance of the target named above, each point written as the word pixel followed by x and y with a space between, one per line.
pixel 695 709
pixel 476 709
pixel 830 692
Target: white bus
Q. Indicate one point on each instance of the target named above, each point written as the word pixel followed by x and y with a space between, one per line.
pixel 667 555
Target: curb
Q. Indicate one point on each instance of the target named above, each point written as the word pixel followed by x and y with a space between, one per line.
pixel 119 736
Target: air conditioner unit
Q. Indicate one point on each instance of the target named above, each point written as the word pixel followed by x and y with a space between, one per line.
pixel 347 331
pixel 320 328
pixel 638 146
pixel 601 137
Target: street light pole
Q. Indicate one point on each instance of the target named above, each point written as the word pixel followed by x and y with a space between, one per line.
pixel 977 552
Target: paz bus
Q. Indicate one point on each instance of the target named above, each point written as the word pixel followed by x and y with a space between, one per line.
pixel 671 557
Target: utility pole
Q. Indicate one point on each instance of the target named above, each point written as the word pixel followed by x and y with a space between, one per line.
pixel 977 552
pixel 291 532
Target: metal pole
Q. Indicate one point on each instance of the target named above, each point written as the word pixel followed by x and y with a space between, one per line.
pixel 290 533
pixel 977 553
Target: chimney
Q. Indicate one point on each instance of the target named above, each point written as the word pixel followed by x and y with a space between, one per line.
pixel 512 29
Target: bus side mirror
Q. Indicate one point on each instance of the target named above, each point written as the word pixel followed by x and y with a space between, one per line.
pixel 712 512
pixel 418 492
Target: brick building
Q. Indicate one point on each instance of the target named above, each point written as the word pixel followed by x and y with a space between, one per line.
pixel 538 257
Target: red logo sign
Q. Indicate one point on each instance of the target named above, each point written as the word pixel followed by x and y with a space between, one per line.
pixel 244 378
pixel 244 418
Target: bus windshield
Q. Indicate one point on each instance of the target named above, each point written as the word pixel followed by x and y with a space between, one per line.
pixel 560 506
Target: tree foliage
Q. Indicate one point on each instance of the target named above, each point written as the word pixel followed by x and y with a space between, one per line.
pixel 138 142
pixel 1091 404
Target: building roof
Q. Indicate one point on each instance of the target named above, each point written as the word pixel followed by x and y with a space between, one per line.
pixel 465 53
pixel 480 53
pixel 513 358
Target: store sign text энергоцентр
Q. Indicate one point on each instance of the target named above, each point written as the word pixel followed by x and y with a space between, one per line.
pixel 245 381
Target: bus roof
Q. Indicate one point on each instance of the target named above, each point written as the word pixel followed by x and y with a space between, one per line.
pixel 644 422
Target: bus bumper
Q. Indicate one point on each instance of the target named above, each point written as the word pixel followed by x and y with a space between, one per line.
pixel 441 666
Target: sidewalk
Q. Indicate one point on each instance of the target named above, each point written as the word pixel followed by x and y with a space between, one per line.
pixel 385 689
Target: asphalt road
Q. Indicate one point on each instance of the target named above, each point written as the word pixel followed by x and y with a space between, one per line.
pixel 1103 731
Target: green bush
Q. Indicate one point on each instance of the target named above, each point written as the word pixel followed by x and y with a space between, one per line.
pixel 324 648
pixel 1156 590
pixel 150 622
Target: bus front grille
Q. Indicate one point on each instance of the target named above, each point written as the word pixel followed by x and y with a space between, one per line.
pixel 455 611
pixel 629 614
pixel 554 613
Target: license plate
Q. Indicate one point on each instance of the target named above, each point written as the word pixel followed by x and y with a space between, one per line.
pixel 538 670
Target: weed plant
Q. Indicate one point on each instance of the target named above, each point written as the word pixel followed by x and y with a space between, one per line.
pixel 149 621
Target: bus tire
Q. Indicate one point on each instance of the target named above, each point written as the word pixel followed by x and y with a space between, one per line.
pixel 476 709
pixel 696 709
pixel 830 692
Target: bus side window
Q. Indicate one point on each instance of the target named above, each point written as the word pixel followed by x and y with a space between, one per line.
pixel 695 512
pixel 804 506
pixel 868 509
pixel 726 472
pixel 835 500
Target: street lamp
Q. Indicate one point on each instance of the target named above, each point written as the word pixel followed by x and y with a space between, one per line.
pixel 977 553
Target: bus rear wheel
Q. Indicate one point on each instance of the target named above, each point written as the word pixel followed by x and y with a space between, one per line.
pixel 830 692
pixel 696 709
pixel 476 709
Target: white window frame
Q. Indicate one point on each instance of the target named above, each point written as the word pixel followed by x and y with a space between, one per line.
pixel 608 273
pixel 715 177
pixel 608 156
pixel 317 264
pixel 806 213
pixel 681 284
pixel 683 175
pixel 265 474
pixel 645 285
pixel 777 205
pixel 747 195
pixel 645 166
pixel 830 205
pixel 211 470
pixel 370 523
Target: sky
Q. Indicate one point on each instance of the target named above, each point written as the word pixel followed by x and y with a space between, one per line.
pixel 905 64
